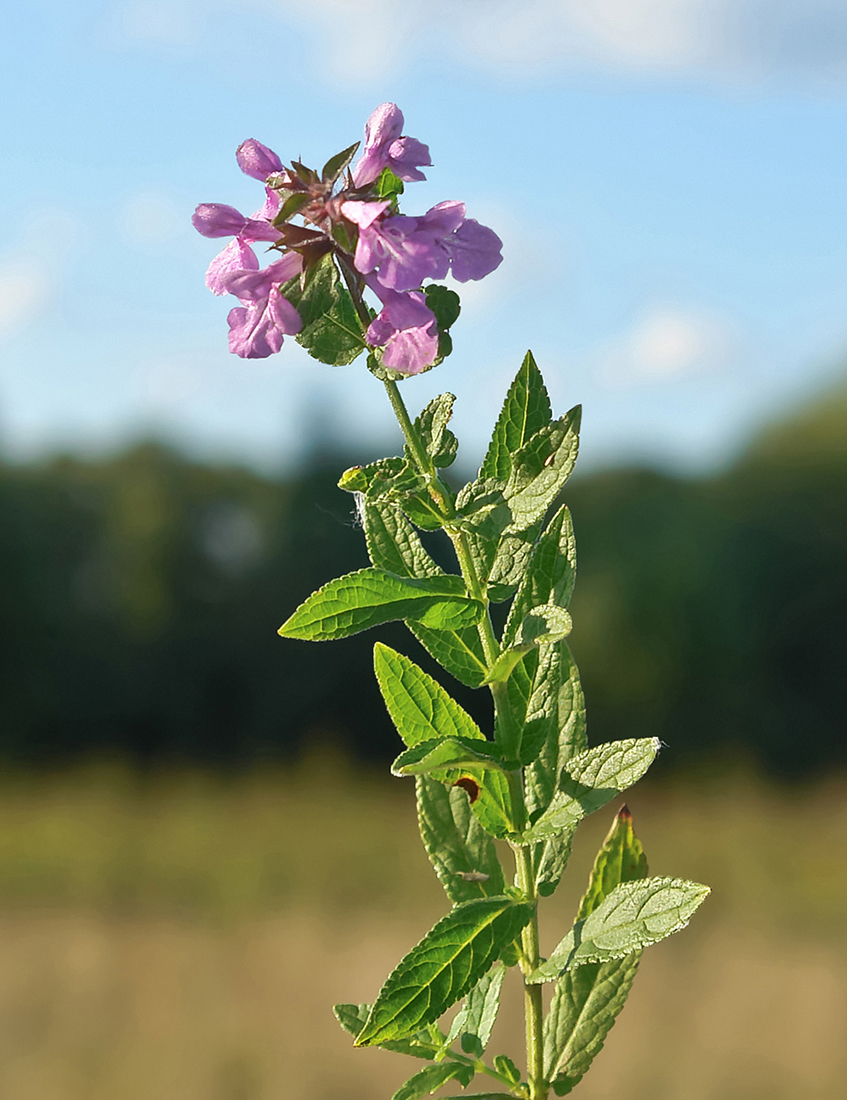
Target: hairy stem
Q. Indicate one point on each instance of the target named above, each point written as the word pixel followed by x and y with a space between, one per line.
pixel 534 1012
pixel 538 1087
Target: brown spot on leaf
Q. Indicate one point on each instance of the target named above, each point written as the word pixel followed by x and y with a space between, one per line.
pixel 469 785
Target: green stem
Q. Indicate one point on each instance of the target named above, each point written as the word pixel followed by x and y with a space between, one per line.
pixel 538 1087
pixel 534 1011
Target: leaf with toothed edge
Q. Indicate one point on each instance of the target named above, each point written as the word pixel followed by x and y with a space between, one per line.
pixel 475 1020
pixel 443 967
pixel 525 410
pixel 393 544
pixel 632 916
pixel 590 780
pixel 420 708
pixel 371 597
pixel 456 843
pixel 587 1000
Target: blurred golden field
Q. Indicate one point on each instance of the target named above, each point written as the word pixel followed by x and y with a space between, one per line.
pixel 180 936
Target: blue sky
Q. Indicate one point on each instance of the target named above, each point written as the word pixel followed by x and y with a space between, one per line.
pixel 669 178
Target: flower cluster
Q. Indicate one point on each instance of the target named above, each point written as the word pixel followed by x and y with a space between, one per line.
pixel 348 218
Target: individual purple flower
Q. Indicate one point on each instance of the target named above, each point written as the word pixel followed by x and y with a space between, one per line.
pixel 406 329
pixel 257 160
pixel 403 251
pixel 215 219
pixel 386 148
pixel 257 328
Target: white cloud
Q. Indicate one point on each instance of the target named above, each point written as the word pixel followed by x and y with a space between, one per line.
pixel 666 344
pixel 365 40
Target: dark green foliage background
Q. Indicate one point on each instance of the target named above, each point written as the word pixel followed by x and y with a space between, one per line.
pixel 140 598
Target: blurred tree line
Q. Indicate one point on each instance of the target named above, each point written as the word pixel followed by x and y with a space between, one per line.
pixel 140 596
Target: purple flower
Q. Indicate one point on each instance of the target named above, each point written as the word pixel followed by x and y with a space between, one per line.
pixel 257 327
pixel 257 160
pixel 385 148
pixel 215 219
pixel 403 251
pixel 406 328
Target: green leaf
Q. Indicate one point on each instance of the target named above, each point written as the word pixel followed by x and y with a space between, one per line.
pixel 555 719
pixel 306 175
pixel 540 469
pixel 292 205
pixel 587 1000
pixel 462 853
pixel 621 859
pixel 420 708
pixel 507 1068
pixel 448 755
pixel 550 574
pixel 443 967
pixel 352 1018
pixel 387 477
pixel 590 780
pixel 393 544
pixel 525 410
pixel 332 330
pixel 388 186
pixel 477 1016
pixel 336 165
pixel 582 1015
pixel 444 303
pixel 510 562
pixel 432 1078
pixel 547 623
pixel 431 424
pixel 633 916
pixel 458 651
pixel 370 597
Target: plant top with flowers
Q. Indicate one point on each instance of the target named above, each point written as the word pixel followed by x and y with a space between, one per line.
pixel 529 781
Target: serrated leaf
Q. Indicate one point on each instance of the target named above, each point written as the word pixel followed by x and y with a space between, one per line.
pixel 431 424
pixel 525 410
pixel 587 1000
pixel 433 1077
pixel 393 544
pixel 633 916
pixel 458 651
pixel 458 847
pixel 590 780
pixel 420 708
pixel 510 562
pixel 448 755
pixel 443 967
pixel 332 329
pixel 370 597
pixel 352 1018
pixel 584 1008
pixel 336 165
pixel 550 573
pixel 555 717
pixel 540 469
pixel 477 1016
